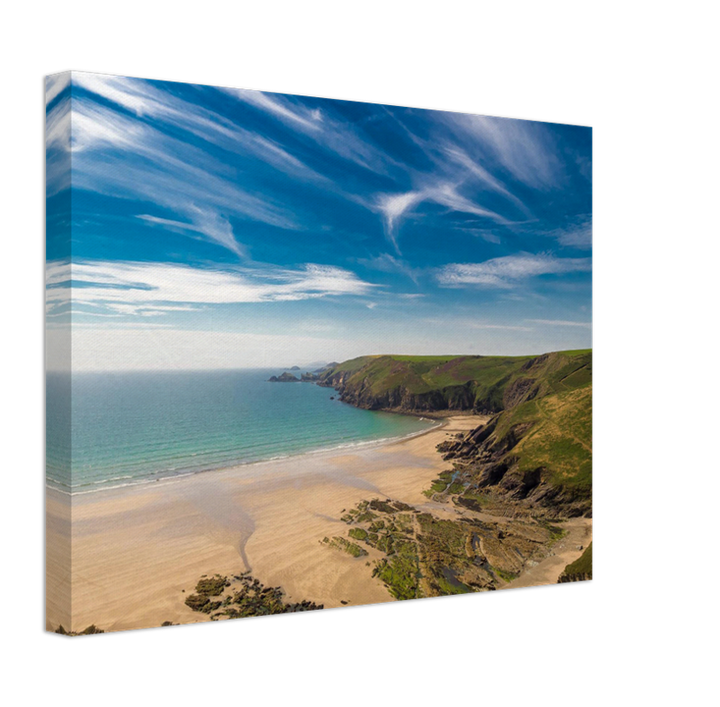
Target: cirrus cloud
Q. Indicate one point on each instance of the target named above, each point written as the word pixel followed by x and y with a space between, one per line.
pixel 508 271
pixel 156 288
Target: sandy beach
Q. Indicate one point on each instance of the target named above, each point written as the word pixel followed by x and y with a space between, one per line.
pixel 136 549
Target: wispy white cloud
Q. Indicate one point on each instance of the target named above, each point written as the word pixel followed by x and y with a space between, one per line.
pixel 584 165
pixel 484 176
pixel 480 232
pixel 154 167
pixel 338 136
pixel 576 234
pixel 508 271
pixel 561 322
pixel 462 174
pixel 447 195
pixel 470 323
pixel 57 147
pixel 524 148
pixel 57 126
pixel 280 107
pixel 462 158
pixel 204 224
pixel 453 162
pixel 55 85
pixel 279 157
pixel 394 206
pixel 57 271
pixel 127 92
pixel 145 100
pixel 389 263
pixel 157 288
pixel 142 310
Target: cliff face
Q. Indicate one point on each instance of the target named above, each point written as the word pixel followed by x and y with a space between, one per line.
pixel 362 393
pixel 563 578
pixel 332 378
pixel 414 385
pixel 580 570
pixel 536 448
pixel 537 452
pixel 499 461
pixel 483 384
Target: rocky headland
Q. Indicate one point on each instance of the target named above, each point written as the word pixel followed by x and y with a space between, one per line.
pixel 511 482
pixel 284 378
pixel 534 452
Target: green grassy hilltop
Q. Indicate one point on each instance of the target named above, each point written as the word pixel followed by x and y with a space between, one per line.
pixel 433 383
pixel 424 382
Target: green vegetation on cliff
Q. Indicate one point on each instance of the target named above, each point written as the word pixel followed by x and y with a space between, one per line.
pixel 580 570
pixel 536 449
pixel 432 383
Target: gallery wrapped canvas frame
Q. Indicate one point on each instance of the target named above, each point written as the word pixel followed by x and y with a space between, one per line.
pixel 305 353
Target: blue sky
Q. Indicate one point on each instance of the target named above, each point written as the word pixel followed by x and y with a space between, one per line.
pixel 215 227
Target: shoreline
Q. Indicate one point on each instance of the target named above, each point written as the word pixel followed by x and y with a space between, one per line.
pixel 138 551
pixel 349 446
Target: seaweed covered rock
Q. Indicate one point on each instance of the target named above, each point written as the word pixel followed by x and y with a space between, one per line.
pixel 242 596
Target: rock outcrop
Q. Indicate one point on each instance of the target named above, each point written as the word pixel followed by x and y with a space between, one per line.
pixel 533 455
pixel 480 384
pixel 399 399
pixel 487 460
pixel 580 570
pixel 284 378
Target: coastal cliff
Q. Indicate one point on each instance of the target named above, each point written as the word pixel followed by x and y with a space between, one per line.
pixel 534 454
pixel 516 485
pixel 580 570
pixel 427 384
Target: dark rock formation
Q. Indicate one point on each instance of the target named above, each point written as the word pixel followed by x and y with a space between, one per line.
pixel 485 460
pixel 399 399
pixel 543 401
pixel 284 378
pixel 580 570
pixel 519 391
pixel 563 578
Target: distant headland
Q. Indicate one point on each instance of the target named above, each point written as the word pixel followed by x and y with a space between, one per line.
pixel 535 447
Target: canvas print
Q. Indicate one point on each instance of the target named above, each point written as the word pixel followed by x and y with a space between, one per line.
pixel 306 353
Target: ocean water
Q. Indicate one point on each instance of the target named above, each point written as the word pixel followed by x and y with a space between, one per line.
pixel 117 429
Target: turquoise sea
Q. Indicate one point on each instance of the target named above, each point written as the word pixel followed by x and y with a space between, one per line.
pixel 107 430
